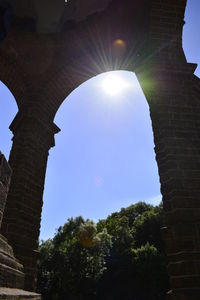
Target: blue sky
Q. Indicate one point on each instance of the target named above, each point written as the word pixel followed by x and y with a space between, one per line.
pixel 104 157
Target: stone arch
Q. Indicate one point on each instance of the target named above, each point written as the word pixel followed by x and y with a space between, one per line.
pixel 9 113
pixel 153 30
pixel 12 76
pixel 70 128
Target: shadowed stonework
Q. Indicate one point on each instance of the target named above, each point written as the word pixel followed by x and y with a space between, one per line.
pixel 42 62
pixel 11 271
pixel 15 294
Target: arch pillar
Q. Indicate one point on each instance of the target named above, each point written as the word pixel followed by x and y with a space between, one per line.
pixel 33 137
pixel 175 110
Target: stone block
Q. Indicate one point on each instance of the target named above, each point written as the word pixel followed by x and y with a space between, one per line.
pixel 5 173
pixel 184 294
pixel 17 294
pixel 11 271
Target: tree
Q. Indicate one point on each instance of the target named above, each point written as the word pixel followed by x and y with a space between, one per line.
pixel 151 279
pixel 72 263
pixel 118 258
pixel 146 228
pixel 137 245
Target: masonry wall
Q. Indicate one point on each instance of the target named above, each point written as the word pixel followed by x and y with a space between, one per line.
pixel 11 271
pixel 41 71
pixel 5 173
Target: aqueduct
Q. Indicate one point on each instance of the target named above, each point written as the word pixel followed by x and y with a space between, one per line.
pixel 51 48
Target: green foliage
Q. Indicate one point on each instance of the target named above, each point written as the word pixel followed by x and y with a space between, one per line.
pixel 73 261
pixel 136 265
pixel 146 228
pixel 118 258
pixel 151 276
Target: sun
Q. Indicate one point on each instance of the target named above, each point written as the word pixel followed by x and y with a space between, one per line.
pixel 114 85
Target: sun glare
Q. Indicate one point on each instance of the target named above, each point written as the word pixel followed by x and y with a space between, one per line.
pixel 114 84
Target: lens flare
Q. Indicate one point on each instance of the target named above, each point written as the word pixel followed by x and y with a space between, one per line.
pixel 119 47
pixel 119 43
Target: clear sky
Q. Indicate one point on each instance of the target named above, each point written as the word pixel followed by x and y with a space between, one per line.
pixel 104 157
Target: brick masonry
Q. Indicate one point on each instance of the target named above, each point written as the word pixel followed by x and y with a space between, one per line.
pixel 17 294
pixel 5 174
pixel 11 271
pixel 42 70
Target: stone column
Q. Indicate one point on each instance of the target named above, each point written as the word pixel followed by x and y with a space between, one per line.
pixel 11 271
pixel 175 114
pixel 5 174
pixel 33 137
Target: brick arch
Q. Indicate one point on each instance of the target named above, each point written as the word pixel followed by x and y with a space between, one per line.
pixel 7 114
pixel 160 38
pixel 153 32
pixel 13 78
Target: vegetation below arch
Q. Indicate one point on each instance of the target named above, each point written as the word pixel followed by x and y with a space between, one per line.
pixel 121 257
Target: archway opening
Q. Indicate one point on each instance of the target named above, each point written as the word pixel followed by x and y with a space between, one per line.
pixel 7 113
pixel 104 156
pixel 191 38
